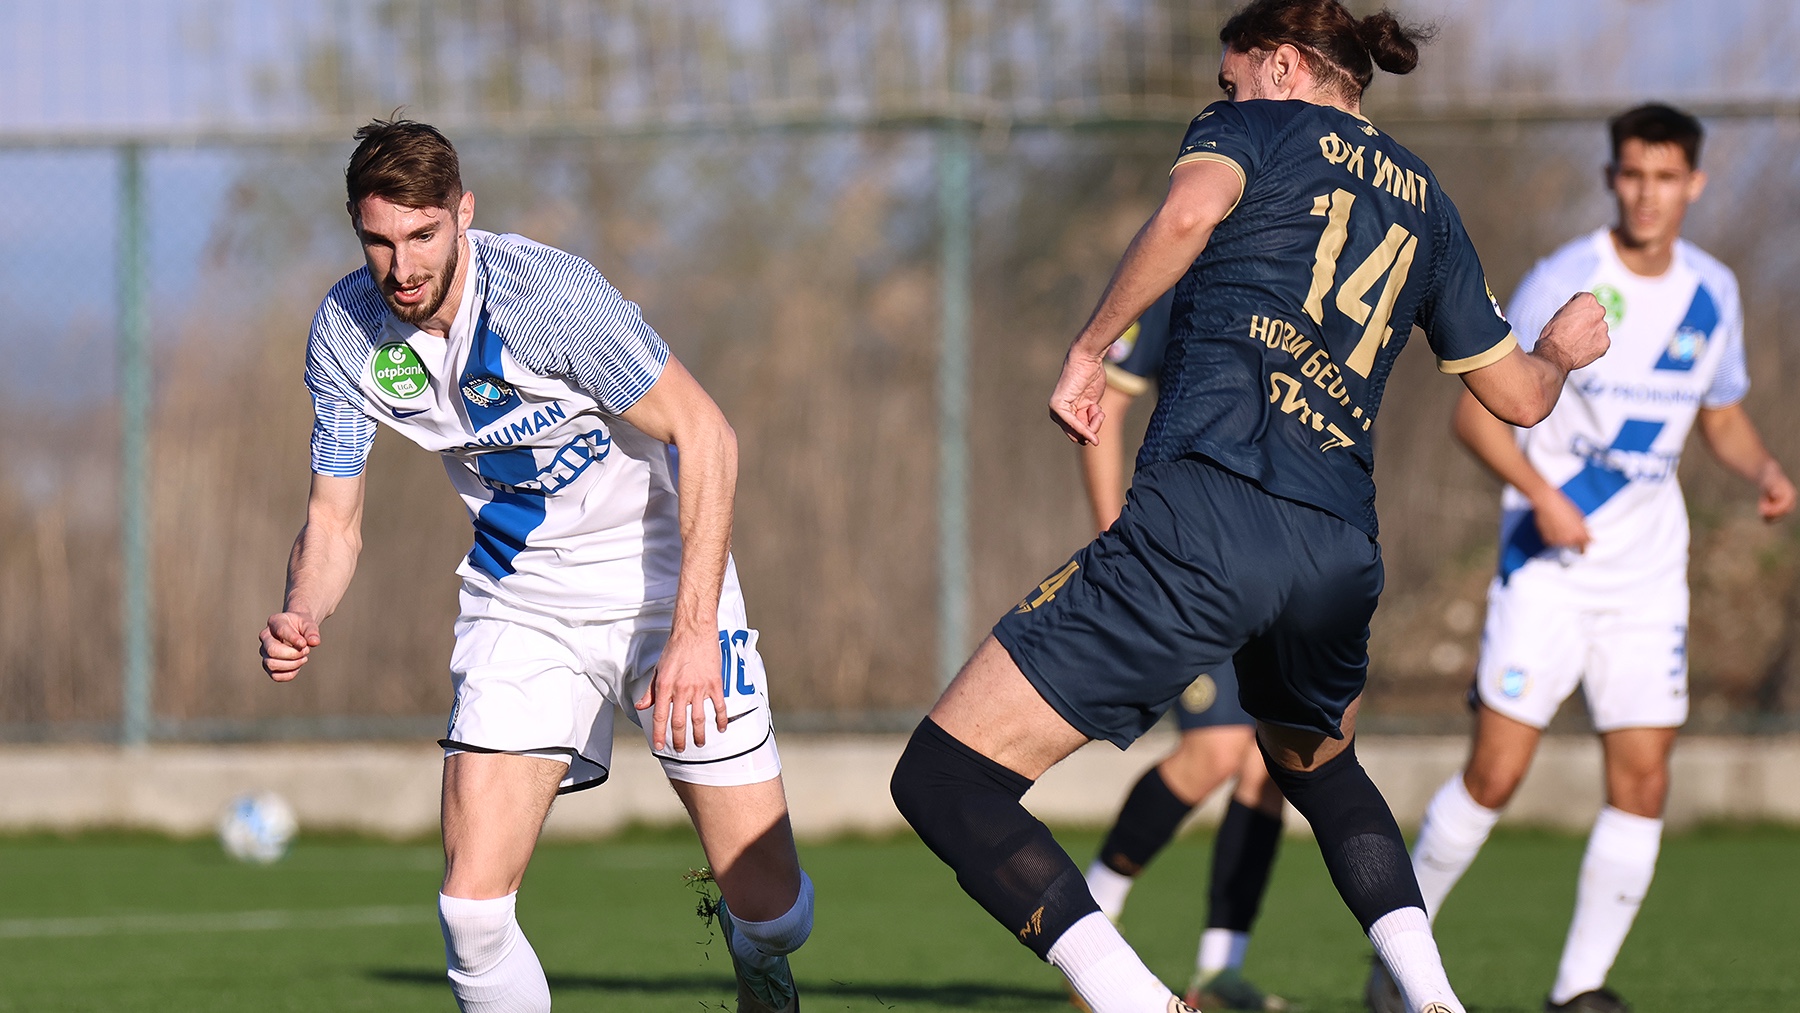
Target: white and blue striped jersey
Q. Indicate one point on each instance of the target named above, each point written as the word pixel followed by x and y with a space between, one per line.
pixel 1614 440
pixel 574 509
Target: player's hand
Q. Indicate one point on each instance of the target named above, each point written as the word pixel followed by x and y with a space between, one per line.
pixel 1775 498
pixel 1075 403
pixel 1561 522
pixel 1576 335
pixel 686 677
pixel 287 642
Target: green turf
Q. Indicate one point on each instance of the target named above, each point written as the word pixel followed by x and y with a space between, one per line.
pixel 616 929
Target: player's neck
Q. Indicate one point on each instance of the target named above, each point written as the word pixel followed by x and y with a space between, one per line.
pixel 1646 260
pixel 438 326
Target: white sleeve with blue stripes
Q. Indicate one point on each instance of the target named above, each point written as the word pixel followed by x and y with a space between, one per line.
pixel 1731 378
pixel 342 432
pixel 600 340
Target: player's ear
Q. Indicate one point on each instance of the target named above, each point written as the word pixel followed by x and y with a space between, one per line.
pixel 1283 67
pixel 465 210
pixel 1696 185
pixel 1611 175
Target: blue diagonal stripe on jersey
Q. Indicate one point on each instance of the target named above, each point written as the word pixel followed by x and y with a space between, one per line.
pixel 1589 490
pixel 485 362
pixel 505 522
pixel 1690 338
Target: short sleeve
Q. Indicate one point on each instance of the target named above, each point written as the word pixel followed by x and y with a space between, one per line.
pixel 1731 379
pixel 1222 133
pixel 342 432
pixel 1460 316
pixel 608 348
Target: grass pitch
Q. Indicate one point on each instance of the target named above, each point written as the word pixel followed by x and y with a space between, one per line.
pixel 122 924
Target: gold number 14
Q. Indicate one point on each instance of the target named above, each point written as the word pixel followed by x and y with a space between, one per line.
pixel 1393 258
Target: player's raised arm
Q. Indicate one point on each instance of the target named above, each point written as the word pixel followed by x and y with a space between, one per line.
pixel 1201 194
pixel 1521 387
pixel 679 412
pixel 319 571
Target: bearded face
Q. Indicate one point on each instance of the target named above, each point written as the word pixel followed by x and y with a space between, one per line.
pixel 412 253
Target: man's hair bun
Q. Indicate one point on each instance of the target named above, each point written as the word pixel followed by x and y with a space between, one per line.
pixel 1393 46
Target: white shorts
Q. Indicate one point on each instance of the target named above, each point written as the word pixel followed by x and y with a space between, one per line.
pixel 527 682
pixel 1632 664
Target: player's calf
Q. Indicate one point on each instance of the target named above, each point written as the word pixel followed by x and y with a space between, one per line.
pixel 492 967
pixel 966 808
pixel 1369 865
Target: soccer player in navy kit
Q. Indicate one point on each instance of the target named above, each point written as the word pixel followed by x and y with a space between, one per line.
pixel 1304 244
pixel 1217 741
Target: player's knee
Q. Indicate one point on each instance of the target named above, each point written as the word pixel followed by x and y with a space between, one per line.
pixel 1641 792
pixel 938 778
pixel 1492 785
pixel 478 934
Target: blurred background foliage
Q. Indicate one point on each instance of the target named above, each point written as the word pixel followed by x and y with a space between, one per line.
pixel 760 176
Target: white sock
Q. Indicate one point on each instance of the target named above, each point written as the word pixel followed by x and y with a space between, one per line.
pixel 762 944
pixel 1615 875
pixel 1403 940
pixel 1109 888
pixel 1221 949
pixel 1104 970
pixel 493 969
pixel 1455 828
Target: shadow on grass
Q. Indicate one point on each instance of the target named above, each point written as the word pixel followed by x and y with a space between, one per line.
pixel 982 995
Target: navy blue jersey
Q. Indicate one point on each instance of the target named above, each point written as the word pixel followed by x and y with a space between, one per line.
pixel 1284 330
pixel 1133 360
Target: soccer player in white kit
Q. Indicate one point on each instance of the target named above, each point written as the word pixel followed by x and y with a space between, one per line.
pixel 600 579
pixel 1592 584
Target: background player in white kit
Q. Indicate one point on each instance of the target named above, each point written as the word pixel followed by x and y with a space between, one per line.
pixel 1592 587
pixel 599 580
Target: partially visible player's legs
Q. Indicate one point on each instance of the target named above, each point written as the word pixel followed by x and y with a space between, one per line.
pixel 494 805
pixel 1157 804
pixel 1465 809
pixel 1243 855
pixel 767 899
pixel 1364 853
pixel 959 783
pixel 1619 863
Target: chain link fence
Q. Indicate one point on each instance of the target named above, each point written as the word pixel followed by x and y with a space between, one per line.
pixel 767 179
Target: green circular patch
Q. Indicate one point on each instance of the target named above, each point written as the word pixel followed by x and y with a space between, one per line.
pixel 1613 302
pixel 397 370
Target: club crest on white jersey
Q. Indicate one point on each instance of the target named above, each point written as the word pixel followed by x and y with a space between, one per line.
pixel 1614 441
pixel 573 508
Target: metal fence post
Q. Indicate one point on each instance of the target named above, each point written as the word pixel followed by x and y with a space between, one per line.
pixel 956 214
pixel 138 669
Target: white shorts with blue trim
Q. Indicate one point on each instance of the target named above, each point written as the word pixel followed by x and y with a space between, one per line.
pixel 1630 661
pixel 527 682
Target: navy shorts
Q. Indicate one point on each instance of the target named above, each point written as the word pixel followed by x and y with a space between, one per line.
pixel 1211 701
pixel 1202 566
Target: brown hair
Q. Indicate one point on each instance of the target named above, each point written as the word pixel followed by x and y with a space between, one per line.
pixel 1339 49
pixel 408 163
pixel 1658 124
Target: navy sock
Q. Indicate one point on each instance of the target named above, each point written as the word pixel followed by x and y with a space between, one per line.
pixel 1357 835
pixel 1243 854
pixel 966 809
pixel 1146 823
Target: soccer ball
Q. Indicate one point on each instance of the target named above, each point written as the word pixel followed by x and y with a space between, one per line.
pixel 257 828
